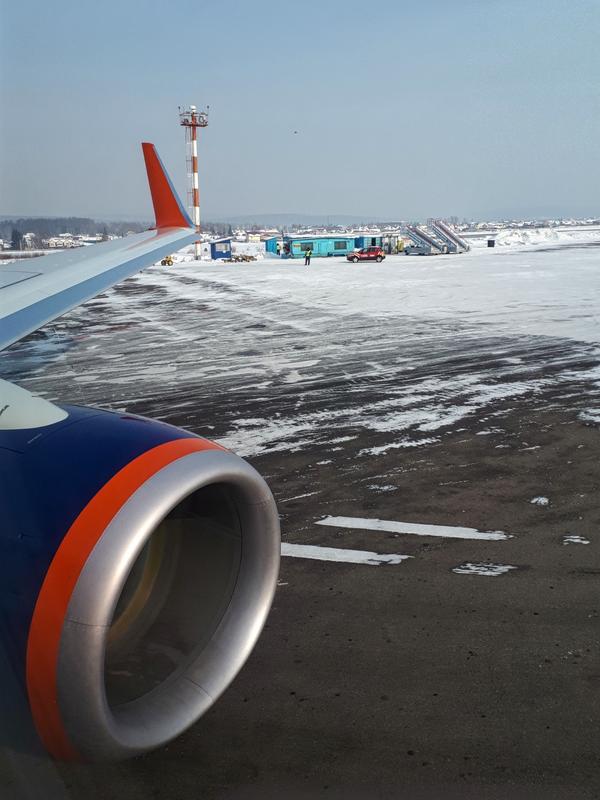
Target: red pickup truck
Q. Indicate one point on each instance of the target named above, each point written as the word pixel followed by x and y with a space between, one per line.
pixel 366 254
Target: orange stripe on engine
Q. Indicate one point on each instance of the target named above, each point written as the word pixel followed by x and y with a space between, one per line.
pixel 43 642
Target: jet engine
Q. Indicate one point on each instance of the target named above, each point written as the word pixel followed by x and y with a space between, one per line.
pixel 138 566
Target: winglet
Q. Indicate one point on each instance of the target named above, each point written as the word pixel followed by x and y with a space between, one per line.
pixel 168 209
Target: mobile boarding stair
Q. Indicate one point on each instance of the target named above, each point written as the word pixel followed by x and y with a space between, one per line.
pixel 424 244
pixel 451 239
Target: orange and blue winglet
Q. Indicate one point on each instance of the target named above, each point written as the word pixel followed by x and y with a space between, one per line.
pixel 168 209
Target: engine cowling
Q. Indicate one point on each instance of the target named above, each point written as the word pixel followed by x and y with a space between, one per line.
pixel 139 563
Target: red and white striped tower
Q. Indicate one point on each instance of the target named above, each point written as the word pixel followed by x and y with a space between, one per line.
pixel 192 119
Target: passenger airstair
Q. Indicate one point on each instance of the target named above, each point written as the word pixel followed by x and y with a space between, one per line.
pixel 453 241
pixel 424 242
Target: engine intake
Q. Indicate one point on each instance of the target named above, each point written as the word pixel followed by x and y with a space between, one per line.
pixel 153 599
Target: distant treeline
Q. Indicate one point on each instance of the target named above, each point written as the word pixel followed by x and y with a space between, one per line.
pixel 217 228
pixel 45 227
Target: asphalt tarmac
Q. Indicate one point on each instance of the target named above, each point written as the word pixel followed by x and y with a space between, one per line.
pixel 406 680
pixel 412 680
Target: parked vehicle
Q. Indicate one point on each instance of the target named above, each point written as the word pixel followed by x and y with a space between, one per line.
pixel 366 254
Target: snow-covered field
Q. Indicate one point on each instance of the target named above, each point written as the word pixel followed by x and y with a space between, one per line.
pixel 510 237
pixel 296 357
pixel 532 290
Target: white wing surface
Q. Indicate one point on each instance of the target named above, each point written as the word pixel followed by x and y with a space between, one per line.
pixel 38 291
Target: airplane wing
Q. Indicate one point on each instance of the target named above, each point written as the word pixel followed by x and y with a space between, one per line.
pixel 113 527
pixel 44 288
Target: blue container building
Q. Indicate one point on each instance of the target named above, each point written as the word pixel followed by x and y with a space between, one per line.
pixel 368 240
pixel 271 244
pixel 296 246
pixel 221 248
pixel 330 245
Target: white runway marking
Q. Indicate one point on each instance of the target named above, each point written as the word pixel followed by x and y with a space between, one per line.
pixel 491 570
pixel 336 554
pixel 573 539
pixel 298 497
pixel 389 526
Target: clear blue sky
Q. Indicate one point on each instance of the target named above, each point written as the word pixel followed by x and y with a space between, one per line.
pixel 478 108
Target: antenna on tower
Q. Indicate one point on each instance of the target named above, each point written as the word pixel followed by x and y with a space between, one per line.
pixel 191 119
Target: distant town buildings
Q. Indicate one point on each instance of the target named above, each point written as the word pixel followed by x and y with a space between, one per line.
pixel 63 241
pixel 222 241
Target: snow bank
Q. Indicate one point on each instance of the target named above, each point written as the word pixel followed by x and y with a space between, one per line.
pixel 525 237
pixel 256 249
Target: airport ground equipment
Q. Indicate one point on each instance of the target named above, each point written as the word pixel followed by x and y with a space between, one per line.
pixel 392 243
pixel 424 242
pixel 138 561
pixel 453 241
pixel 239 258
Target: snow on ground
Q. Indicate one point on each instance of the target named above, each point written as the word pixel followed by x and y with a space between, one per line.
pixel 590 415
pixel 405 350
pixel 509 237
pixel 534 290
pixel 490 570
pixel 256 249
pixel 574 539
pixel 539 501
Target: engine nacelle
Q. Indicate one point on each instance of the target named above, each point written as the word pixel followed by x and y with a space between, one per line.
pixel 138 564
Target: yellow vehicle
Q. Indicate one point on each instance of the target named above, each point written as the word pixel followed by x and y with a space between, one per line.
pixel 167 261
